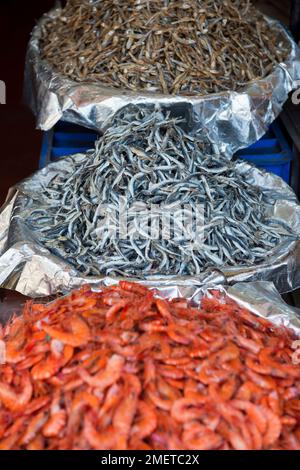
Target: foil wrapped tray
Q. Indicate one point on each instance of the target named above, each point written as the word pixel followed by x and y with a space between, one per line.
pixel 230 120
pixel 31 269
pixel 261 298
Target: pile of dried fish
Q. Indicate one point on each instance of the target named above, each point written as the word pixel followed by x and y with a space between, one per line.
pixel 168 46
pixel 146 162
pixel 123 369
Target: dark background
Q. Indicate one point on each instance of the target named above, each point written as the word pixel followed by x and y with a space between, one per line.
pixel 20 142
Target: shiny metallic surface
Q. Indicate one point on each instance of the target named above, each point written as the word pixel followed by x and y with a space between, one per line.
pixel 231 120
pixel 264 300
pixel 31 269
pixel 260 298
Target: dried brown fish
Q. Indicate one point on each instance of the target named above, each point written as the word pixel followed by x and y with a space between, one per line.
pixel 168 46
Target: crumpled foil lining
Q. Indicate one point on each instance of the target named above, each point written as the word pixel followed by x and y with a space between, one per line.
pixel 230 120
pixel 261 298
pixel 31 269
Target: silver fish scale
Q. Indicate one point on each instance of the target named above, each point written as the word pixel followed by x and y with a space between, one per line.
pixel 146 157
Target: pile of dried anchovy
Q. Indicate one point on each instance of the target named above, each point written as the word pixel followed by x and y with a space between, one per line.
pixel 168 46
pixel 146 158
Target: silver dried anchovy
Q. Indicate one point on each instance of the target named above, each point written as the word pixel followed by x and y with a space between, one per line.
pixel 169 46
pixel 146 157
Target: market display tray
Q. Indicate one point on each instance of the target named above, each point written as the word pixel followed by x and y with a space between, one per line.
pixel 272 152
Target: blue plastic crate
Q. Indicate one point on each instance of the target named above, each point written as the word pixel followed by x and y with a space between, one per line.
pixel 272 152
pixel 65 139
